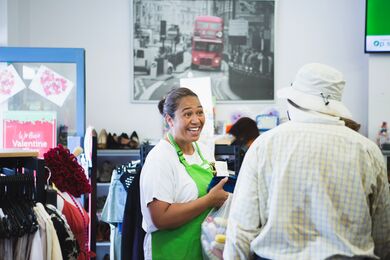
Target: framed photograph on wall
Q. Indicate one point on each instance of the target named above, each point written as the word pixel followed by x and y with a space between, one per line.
pixel 230 41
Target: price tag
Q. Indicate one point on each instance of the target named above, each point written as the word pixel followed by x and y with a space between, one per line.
pixel 221 168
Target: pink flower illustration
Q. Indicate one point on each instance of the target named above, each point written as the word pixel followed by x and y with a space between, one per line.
pixel 51 84
pixel 7 82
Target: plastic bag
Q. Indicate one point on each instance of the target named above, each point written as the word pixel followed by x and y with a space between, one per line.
pixel 214 230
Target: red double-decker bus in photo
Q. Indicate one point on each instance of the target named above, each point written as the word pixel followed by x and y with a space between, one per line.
pixel 207 42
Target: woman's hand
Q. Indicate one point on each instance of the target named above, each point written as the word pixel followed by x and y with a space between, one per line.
pixel 217 195
pixel 168 216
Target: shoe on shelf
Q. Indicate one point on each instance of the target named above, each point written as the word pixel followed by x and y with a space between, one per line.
pixel 112 141
pixel 99 233
pixel 134 140
pixel 102 139
pixel 123 141
pixel 94 133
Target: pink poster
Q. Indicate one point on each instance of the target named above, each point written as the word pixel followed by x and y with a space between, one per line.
pixel 33 130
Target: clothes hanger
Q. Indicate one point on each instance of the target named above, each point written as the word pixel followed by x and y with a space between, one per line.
pixel 51 194
pixel 14 225
pixel 16 201
pixel 18 206
pixel 2 224
pixel 28 204
pixel 2 190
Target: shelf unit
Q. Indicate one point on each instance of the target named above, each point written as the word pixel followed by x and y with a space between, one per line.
pixel 115 157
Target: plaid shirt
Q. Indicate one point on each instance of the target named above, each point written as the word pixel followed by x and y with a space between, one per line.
pixel 310 191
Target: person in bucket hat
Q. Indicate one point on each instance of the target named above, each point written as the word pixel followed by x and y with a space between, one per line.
pixel 311 188
pixel 318 87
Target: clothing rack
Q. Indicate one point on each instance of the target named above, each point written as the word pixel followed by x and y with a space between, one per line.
pixel 22 162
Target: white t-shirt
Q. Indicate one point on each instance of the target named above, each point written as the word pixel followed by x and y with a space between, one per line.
pixel 163 177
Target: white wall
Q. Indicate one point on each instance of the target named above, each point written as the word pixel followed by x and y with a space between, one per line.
pixel 328 31
pixel 331 32
pixel 379 93
pixel 18 23
pixel 3 23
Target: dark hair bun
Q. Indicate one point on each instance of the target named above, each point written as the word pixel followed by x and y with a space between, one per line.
pixel 169 103
pixel 161 106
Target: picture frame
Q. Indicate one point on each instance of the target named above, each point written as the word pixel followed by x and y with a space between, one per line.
pixel 230 41
pixel 68 62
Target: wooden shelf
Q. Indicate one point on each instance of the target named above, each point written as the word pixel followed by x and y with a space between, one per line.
pixel 18 153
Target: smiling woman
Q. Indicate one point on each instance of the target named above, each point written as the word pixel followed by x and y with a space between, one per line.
pixel 174 180
pixel 186 122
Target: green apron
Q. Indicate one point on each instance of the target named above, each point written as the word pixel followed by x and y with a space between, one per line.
pixel 183 243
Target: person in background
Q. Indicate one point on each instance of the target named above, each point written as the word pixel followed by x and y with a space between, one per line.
pixel 174 181
pixel 244 131
pixel 311 188
pixel 383 136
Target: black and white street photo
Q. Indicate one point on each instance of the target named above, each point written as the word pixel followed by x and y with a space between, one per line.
pixel 230 41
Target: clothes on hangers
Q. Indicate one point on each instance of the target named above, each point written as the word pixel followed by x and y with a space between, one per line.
pixel 78 221
pixel 49 239
pixel 122 177
pixel 36 247
pixel 132 232
pixel 129 174
pixel 114 206
pixel 6 248
pixel 27 231
pixel 69 247
pixel 40 243
pixel 18 223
